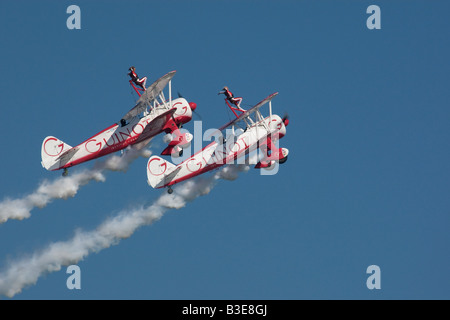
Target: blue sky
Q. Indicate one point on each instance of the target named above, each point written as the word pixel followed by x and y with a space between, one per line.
pixel 367 178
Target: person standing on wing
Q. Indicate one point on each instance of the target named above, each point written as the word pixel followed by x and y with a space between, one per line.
pixel 230 97
pixel 134 77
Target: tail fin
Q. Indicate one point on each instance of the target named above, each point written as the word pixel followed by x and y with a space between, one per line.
pixel 160 172
pixel 51 152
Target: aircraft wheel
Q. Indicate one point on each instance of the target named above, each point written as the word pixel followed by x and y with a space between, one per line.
pixel 65 172
pixel 180 153
pixel 169 191
pixel 271 166
pixel 283 160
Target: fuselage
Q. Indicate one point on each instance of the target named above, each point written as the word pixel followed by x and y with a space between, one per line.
pixel 217 154
pixel 117 137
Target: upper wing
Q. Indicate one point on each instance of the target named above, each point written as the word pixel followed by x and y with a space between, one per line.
pixel 149 95
pixel 249 111
pixel 156 125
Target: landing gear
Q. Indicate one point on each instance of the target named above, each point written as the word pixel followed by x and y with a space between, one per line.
pixel 270 166
pixel 170 190
pixel 65 172
pixel 283 160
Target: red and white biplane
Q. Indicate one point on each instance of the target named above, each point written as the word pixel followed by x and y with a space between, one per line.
pixel 259 132
pixel 151 115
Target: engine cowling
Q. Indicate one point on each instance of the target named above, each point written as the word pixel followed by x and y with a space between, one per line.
pixel 183 114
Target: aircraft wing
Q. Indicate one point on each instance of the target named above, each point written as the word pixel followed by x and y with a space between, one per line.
pixel 156 125
pixel 149 95
pixel 245 114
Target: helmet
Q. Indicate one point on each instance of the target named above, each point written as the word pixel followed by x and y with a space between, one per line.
pixel 131 68
pixel 225 88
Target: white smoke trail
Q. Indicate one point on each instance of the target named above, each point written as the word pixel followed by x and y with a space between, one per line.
pixel 61 188
pixel 65 187
pixel 121 163
pixel 25 272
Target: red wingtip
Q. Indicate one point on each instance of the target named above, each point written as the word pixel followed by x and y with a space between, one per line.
pixel 193 105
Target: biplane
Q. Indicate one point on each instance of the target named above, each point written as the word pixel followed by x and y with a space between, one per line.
pixel 258 132
pixel 151 115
